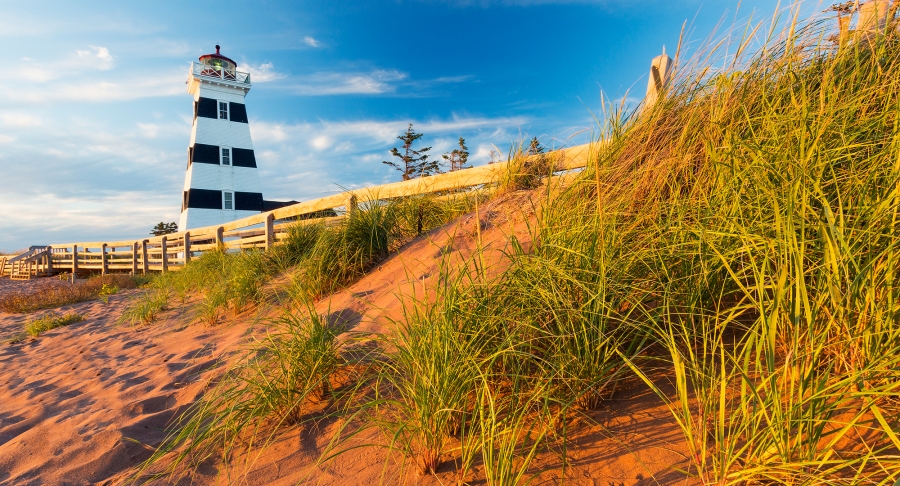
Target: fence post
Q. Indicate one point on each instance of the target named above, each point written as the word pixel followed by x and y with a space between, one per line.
pixel 873 16
pixel 49 260
pixel 352 204
pixel 220 238
pixel 145 257
pixel 187 247
pixel 165 256
pixel 103 264
pixel 270 230
pixel 74 260
pixel 134 257
pixel 660 72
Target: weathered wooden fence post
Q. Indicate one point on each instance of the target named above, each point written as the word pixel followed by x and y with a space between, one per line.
pixel 270 230
pixel 103 264
pixel 145 256
pixel 134 258
pixel 165 255
pixel 352 204
pixel 660 72
pixel 187 247
pixel 74 261
pixel 220 238
pixel 873 17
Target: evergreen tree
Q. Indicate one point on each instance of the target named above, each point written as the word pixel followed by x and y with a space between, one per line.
pixel 458 158
pixel 534 147
pixel 413 163
pixel 164 229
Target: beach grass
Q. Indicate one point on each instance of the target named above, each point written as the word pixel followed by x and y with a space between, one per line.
pixel 737 240
pixel 35 327
pixel 54 293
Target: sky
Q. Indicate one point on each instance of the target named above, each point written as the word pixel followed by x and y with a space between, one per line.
pixel 95 118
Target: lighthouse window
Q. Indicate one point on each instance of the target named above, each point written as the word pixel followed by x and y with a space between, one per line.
pixel 223 110
pixel 226 156
pixel 228 200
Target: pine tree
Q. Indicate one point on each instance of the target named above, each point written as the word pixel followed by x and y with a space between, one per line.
pixel 534 147
pixel 164 229
pixel 458 158
pixel 413 163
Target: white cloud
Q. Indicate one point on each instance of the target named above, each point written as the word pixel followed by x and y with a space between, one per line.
pixel 373 131
pixel 97 56
pixel 132 87
pixel 308 160
pixel 321 143
pixel 20 120
pixel 331 83
pixel 311 42
pixel 375 82
pixel 263 73
pixel 52 192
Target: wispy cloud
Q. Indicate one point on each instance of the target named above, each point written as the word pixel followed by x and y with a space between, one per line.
pixel 308 160
pixel 332 83
pixel 97 52
pixel 19 120
pixel 118 88
pixel 375 82
pixel 365 133
pixel 311 42
pixel 261 73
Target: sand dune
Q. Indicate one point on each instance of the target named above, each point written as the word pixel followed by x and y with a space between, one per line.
pixel 85 403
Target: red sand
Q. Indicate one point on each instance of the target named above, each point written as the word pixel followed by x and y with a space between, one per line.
pixel 85 403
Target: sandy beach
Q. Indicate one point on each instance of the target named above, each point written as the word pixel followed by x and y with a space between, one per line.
pixel 86 403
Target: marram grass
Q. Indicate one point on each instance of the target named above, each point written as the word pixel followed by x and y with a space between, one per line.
pixel 739 239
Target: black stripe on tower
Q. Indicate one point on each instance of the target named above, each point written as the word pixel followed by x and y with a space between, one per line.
pixel 212 199
pixel 248 201
pixel 243 158
pixel 205 154
pixel 209 154
pixel 203 199
pixel 208 108
pixel 238 112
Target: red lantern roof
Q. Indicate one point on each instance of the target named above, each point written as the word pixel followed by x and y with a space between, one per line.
pixel 217 56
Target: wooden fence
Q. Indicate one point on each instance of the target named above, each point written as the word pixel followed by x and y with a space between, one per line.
pixel 173 251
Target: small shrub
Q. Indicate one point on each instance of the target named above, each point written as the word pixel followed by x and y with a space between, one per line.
pixel 51 321
pixel 106 291
pixel 212 305
pixel 50 293
pixel 145 309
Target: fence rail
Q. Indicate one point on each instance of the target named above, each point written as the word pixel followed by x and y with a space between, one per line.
pixel 171 252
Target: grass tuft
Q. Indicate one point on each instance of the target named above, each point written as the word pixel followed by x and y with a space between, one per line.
pixel 51 293
pixel 281 379
pixel 35 327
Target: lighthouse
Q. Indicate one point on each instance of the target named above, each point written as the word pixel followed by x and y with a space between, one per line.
pixel 221 183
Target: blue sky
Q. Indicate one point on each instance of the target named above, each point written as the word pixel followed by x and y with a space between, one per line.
pixel 95 119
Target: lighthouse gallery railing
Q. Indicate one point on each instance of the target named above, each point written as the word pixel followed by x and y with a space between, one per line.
pixel 220 72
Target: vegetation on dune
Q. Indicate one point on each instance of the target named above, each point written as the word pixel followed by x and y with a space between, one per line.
pixel 738 239
pixel 274 385
pixel 54 293
pixel 321 257
pixel 36 326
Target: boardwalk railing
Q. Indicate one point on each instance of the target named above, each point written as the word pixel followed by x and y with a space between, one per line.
pixel 173 251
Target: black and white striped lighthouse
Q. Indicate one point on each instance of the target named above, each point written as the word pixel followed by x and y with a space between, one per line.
pixel 221 184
